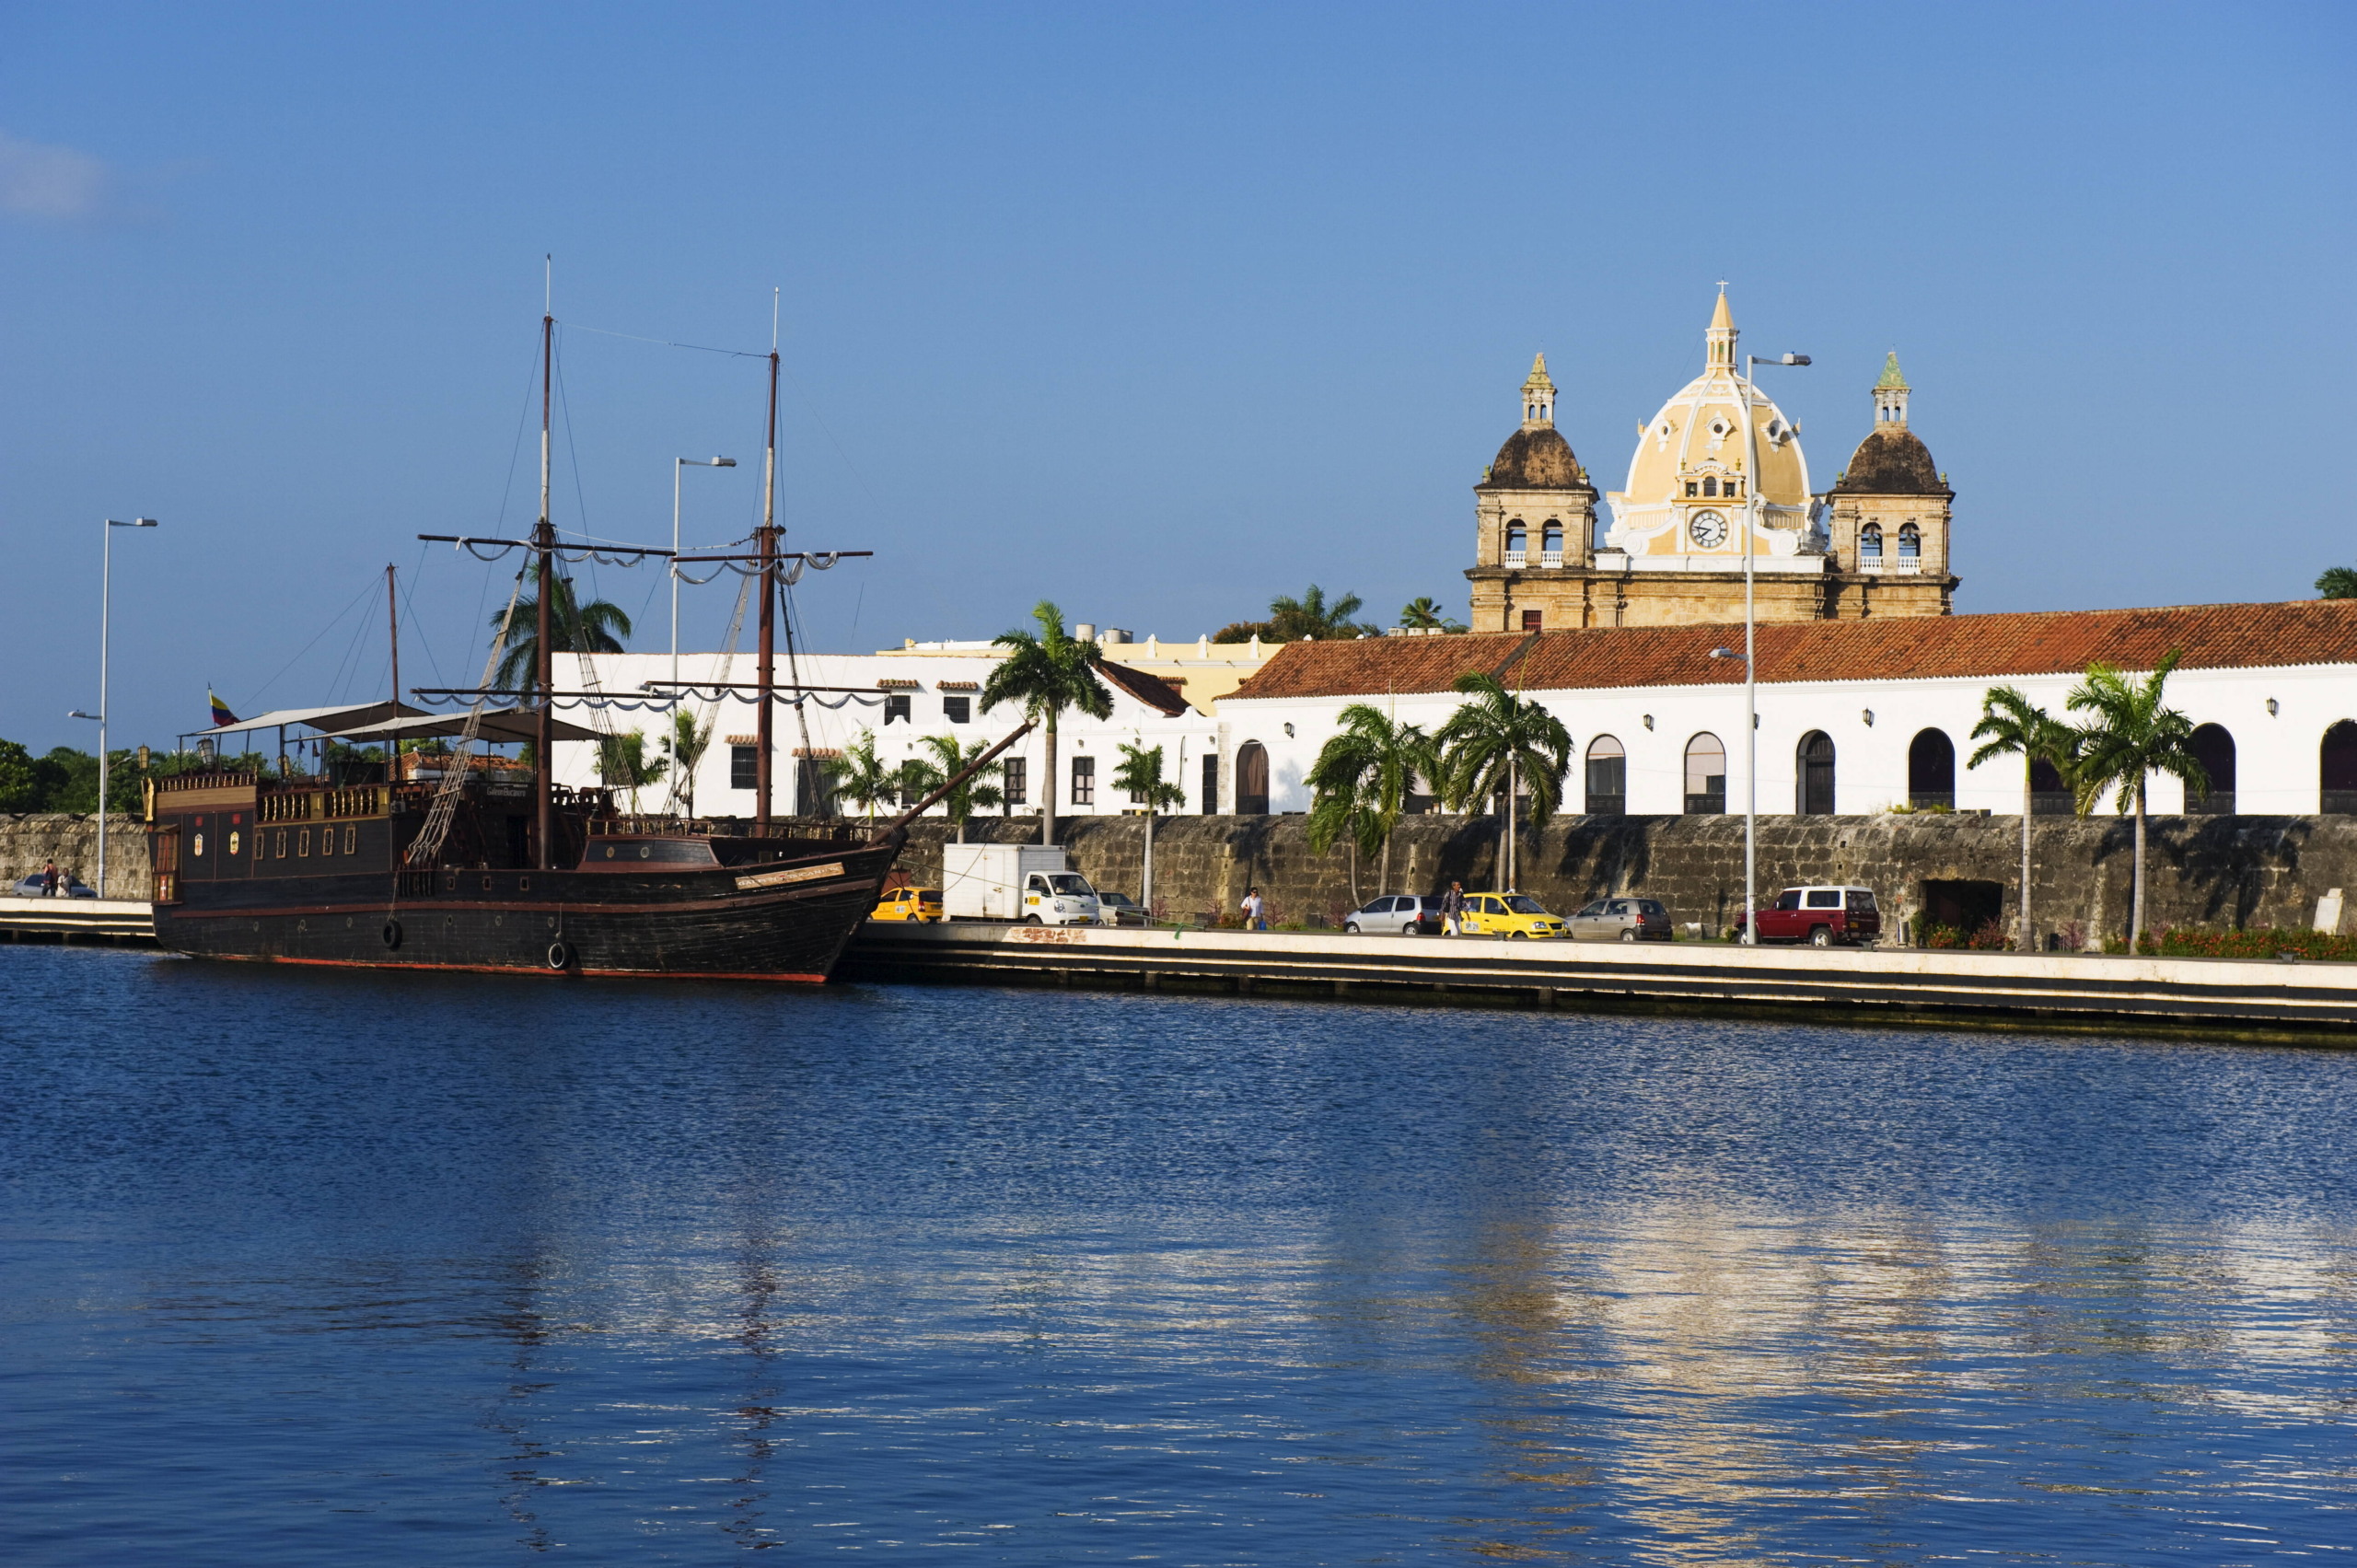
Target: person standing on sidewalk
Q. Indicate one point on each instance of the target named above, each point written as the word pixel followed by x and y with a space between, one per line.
pixel 48 879
pixel 1452 910
pixel 1256 911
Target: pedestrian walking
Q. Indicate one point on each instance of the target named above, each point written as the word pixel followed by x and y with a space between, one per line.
pixel 1452 910
pixel 1256 911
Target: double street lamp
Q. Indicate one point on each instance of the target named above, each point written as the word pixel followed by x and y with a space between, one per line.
pixel 106 600
pixel 677 465
pixel 1751 364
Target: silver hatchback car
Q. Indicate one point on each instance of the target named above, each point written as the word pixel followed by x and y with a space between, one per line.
pixel 1398 914
pixel 1621 920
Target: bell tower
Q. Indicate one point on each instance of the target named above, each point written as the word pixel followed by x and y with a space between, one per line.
pixel 1888 517
pixel 1534 517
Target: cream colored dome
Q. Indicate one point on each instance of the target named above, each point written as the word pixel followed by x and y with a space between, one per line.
pixel 1692 460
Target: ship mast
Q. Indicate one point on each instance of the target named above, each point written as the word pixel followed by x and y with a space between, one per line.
pixel 543 653
pixel 767 677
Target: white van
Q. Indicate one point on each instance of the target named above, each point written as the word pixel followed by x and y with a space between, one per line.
pixel 1031 883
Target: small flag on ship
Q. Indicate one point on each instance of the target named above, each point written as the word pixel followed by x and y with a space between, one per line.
pixel 221 714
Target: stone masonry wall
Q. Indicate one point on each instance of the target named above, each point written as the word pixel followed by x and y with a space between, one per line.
pixel 2212 871
pixel 72 841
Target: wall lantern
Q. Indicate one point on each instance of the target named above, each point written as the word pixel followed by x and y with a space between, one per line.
pixel 1288 732
pixel 1868 714
pixel 1649 721
pixel 2271 707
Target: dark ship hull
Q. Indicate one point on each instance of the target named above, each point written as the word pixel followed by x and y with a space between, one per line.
pixel 636 903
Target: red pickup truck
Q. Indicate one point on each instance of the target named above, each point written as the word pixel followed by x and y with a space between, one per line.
pixel 1819 917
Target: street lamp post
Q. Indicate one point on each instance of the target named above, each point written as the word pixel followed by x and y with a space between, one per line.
pixel 106 600
pixel 1751 363
pixel 679 464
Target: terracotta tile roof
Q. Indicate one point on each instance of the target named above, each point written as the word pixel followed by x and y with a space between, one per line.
pixel 2213 636
pixel 1151 690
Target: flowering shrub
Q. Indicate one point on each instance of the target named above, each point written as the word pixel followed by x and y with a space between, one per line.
pixel 2258 942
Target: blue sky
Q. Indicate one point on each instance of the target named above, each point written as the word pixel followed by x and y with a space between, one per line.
pixel 1154 310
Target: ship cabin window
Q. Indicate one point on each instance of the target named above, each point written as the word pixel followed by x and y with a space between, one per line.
pixel 303 844
pixel 1870 542
pixel 351 840
pixel 1014 780
pixel 896 706
pixel 957 710
pixel 278 849
pixel 1084 781
pixel 744 767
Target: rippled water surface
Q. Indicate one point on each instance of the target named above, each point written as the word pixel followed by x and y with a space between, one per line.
pixel 299 1268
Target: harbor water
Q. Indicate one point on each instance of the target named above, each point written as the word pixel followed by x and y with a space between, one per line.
pixel 303 1266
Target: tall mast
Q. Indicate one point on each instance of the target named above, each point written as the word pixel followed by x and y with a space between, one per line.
pixel 544 656
pixel 768 674
pixel 393 622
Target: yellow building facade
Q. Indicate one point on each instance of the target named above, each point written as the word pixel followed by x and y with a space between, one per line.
pixel 1719 469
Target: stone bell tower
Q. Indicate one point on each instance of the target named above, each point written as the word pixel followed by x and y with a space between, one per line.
pixel 1534 515
pixel 1889 516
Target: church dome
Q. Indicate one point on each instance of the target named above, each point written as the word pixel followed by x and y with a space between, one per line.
pixel 1891 460
pixel 1536 459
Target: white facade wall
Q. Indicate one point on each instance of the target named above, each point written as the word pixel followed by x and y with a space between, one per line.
pixel 2276 754
pixel 835 719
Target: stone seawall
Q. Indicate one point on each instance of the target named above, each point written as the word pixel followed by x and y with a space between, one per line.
pixel 2212 871
pixel 72 841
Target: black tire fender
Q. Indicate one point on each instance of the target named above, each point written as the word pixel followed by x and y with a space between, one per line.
pixel 391 933
pixel 560 955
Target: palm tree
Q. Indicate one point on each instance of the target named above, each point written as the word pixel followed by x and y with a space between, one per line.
pixel 1289 620
pixel 622 763
pixel 685 746
pixel 860 777
pixel 950 759
pixel 1141 774
pixel 2011 725
pixel 1425 615
pixel 1497 743
pixel 1048 674
pixel 2338 582
pixel 1360 783
pixel 597 627
pixel 2132 736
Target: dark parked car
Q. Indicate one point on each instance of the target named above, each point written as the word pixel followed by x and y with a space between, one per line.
pixel 1398 914
pixel 1823 917
pixel 67 887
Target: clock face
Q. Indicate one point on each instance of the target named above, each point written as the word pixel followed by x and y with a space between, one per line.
pixel 1708 529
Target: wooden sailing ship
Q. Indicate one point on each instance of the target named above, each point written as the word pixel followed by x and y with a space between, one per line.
pixel 503 869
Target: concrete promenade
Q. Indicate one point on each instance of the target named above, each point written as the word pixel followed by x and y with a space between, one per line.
pixel 2237 998
pixel 127 921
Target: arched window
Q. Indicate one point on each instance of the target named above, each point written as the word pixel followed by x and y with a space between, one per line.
pixel 2213 748
pixel 1550 542
pixel 1910 541
pixel 1252 780
pixel 1608 777
pixel 1814 762
pixel 1517 543
pixel 2337 770
pixel 1870 543
pixel 1706 776
pixel 1710 486
pixel 1931 771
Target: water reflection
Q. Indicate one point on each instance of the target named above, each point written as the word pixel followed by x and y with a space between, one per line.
pixel 1054 1279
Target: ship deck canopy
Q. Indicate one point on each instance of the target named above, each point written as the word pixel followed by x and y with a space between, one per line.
pixel 330 720
pixel 500 726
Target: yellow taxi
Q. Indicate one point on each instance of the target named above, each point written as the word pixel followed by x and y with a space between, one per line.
pixel 1508 914
pixel 908 903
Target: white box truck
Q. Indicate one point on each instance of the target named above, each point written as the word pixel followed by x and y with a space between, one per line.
pixel 1034 883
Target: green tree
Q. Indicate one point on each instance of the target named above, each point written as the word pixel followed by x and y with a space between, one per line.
pixel 1310 616
pixel 1141 774
pixel 624 762
pixel 19 780
pixel 950 759
pixel 1425 615
pixel 1497 744
pixel 1047 674
pixel 1360 785
pixel 2131 736
pixel 860 777
pixel 597 627
pixel 2012 726
pixel 1244 631
pixel 685 745
pixel 2338 582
